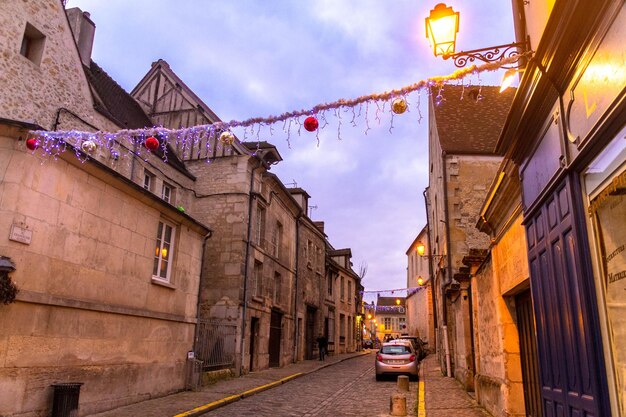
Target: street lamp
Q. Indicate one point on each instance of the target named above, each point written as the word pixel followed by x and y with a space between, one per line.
pixel 420 281
pixel 442 26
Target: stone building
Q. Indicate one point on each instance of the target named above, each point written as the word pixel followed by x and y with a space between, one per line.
pixel 504 340
pixel 420 316
pixel 344 307
pixel 390 317
pixel 311 287
pixel 462 136
pixel 564 139
pixel 97 304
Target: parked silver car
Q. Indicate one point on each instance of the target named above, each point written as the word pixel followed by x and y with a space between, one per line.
pixel 397 358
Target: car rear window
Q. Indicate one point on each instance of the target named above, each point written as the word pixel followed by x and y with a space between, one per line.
pixel 395 350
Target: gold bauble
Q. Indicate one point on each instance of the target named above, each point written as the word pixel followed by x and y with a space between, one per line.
pixel 399 106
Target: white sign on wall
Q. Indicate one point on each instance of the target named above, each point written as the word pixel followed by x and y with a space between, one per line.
pixel 20 234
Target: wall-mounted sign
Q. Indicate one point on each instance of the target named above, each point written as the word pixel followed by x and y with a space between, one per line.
pixel 20 234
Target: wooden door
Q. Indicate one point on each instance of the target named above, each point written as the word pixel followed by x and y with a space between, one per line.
pixel 275 337
pixel 568 340
pixel 528 354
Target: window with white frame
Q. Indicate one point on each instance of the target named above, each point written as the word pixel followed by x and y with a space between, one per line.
pixel 164 251
pixel 167 192
pixel 388 324
pixel 259 231
pixel 148 180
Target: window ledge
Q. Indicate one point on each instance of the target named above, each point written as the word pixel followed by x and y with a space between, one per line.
pixel 257 299
pixel 162 283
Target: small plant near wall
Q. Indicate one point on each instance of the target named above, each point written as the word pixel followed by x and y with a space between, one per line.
pixel 8 289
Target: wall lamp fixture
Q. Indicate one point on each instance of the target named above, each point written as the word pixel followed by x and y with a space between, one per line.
pixel 421 250
pixel 442 25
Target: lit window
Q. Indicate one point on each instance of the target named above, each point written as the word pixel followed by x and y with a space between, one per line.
pixel 163 252
pixel 32 44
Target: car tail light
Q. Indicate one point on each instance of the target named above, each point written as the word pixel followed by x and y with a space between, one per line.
pixel 412 358
pixel 379 358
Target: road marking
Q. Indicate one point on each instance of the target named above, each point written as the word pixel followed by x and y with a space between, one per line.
pixel 236 397
pixel 421 405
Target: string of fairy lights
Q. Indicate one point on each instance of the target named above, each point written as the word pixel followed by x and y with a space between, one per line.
pixel 146 141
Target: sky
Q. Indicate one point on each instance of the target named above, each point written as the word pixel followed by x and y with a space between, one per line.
pixel 253 58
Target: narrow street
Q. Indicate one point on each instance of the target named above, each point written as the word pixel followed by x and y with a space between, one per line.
pixel 344 389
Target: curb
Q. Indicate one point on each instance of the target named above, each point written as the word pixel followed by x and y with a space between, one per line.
pixel 421 401
pixel 203 409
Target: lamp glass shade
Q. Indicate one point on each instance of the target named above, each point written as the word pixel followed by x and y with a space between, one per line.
pixel 507 79
pixel 442 26
pixel 420 248
pixel 420 281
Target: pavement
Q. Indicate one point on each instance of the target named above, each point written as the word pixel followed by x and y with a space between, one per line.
pixel 438 396
pixel 444 396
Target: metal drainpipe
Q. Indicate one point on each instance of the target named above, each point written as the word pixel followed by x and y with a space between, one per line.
pixel 246 264
pixel 295 291
pixel 207 237
pixel 449 256
pixel 430 264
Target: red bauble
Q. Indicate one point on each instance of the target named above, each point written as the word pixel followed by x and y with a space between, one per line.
pixel 32 144
pixel 311 124
pixel 151 143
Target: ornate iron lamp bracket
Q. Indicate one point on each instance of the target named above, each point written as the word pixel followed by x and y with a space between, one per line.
pixel 494 53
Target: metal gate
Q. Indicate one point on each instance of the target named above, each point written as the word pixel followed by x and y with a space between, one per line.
pixel 215 344
pixel 528 353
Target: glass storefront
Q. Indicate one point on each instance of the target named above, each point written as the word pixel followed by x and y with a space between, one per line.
pixel 605 186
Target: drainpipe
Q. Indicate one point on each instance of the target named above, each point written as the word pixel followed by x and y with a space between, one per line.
pixel 246 265
pixel 207 237
pixel 430 264
pixel 449 261
pixel 295 291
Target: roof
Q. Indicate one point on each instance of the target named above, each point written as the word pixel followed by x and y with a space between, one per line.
pixel 116 104
pixel 469 122
pixel 113 101
pixel 389 301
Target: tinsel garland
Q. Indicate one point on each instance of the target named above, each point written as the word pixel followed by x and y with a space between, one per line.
pixel 86 143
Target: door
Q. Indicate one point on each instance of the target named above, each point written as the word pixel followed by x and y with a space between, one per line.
pixel 568 340
pixel 275 336
pixel 310 332
pixel 254 325
pixel 528 353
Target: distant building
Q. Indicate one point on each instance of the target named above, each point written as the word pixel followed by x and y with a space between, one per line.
pixel 419 301
pixel 391 317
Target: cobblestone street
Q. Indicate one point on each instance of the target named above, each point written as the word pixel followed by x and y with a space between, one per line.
pixel 345 389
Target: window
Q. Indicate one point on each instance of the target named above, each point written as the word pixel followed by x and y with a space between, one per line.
pixel 387 322
pixel 164 252
pixel 32 44
pixel 257 279
pixel 148 180
pixel 330 283
pixel 278 282
pixel 342 328
pixel 342 290
pixel 349 292
pixel 166 192
pixel 260 225
pixel 277 238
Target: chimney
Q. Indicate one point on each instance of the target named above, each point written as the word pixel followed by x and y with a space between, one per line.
pixel 83 29
pixel 320 226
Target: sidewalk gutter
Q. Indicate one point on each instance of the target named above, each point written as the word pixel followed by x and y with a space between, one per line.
pixel 421 403
pixel 203 409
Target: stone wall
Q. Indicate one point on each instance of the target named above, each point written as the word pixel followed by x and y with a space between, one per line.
pixel 88 309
